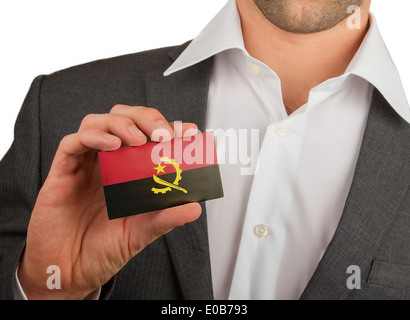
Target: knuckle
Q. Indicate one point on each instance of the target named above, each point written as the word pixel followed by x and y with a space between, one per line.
pixel 66 140
pixel 152 112
pixel 118 107
pixel 88 119
pixel 130 111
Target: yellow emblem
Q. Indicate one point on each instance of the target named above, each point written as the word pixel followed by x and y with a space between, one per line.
pixel 168 185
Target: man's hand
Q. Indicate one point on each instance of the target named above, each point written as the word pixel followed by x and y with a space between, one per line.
pixel 69 226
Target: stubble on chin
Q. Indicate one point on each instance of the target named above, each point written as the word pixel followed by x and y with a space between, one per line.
pixel 305 17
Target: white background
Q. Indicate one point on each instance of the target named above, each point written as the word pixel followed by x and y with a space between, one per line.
pixel 43 36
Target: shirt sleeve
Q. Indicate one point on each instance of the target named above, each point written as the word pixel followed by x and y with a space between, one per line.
pixel 20 295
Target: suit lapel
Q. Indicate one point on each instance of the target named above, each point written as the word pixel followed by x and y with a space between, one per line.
pixel 183 97
pixel 378 186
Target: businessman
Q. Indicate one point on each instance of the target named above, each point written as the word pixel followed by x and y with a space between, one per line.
pixel 330 192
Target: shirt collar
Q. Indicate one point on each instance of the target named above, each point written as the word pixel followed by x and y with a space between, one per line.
pixel 372 61
pixel 224 32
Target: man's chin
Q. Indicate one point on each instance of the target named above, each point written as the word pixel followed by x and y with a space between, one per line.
pixel 306 17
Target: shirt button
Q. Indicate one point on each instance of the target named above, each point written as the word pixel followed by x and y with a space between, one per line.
pixel 254 69
pixel 281 130
pixel 261 230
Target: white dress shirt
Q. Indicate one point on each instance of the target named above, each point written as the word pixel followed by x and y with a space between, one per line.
pixel 269 232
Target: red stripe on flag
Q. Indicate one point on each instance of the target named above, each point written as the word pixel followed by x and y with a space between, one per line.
pixel 134 163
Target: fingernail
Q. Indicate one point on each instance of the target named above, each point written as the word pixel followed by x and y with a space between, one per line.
pixel 135 131
pixel 190 132
pixel 162 124
pixel 163 131
pixel 110 137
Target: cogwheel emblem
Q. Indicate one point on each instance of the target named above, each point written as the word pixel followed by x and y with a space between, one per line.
pixel 168 185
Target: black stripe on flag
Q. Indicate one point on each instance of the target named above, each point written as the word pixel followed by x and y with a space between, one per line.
pixel 135 197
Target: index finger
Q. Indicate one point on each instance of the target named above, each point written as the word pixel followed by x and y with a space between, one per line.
pixel 149 120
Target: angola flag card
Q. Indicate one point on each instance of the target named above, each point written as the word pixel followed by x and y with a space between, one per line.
pixel 156 176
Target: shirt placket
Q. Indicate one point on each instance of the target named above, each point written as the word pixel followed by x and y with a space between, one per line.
pixel 264 231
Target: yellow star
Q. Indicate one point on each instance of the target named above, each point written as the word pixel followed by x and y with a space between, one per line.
pixel 160 169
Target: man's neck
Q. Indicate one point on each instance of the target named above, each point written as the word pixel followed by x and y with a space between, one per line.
pixel 302 61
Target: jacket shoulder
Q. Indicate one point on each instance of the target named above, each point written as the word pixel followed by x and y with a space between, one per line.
pixel 141 62
pixel 95 87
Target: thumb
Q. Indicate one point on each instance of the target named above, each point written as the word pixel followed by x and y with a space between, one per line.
pixel 146 228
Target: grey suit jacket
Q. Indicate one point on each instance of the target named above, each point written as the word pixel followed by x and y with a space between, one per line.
pixel 373 233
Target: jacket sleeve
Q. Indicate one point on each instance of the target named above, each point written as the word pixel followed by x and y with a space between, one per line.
pixel 20 183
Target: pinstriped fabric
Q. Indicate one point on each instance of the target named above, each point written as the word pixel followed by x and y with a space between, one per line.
pixel 150 275
pixel 19 184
